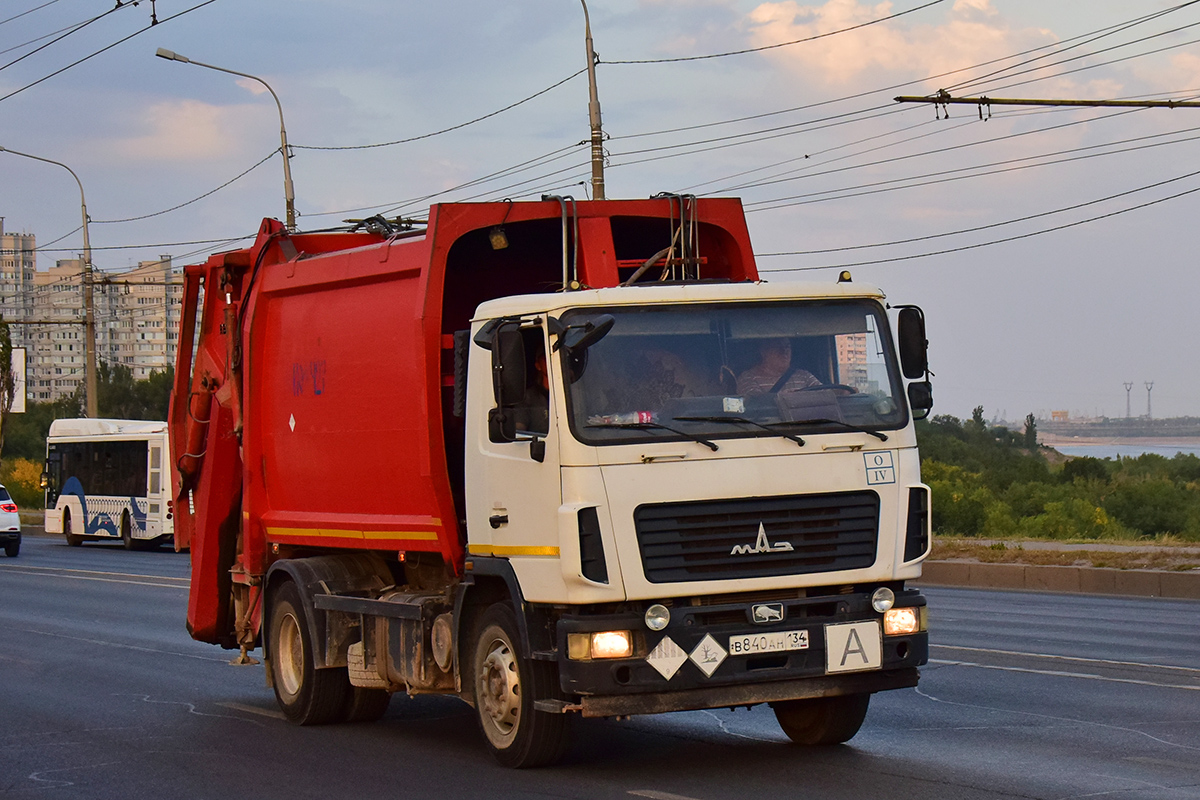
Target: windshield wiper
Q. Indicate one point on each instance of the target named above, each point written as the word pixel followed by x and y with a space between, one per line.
pixel 880 436
pixel 647 425
pixel 744 421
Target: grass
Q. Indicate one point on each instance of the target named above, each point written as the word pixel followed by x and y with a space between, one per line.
pixel 1164 557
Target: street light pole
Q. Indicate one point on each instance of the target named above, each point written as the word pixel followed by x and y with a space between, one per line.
pixel 89 314
pixel 594 112
pixel 288 193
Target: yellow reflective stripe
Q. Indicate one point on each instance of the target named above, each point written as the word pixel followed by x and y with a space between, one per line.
pixel 341 533
pixel 497 550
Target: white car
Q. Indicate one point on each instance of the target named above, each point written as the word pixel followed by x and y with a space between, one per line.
pixel 10 524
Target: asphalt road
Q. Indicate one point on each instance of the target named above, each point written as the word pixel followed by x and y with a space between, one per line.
pixel 102 694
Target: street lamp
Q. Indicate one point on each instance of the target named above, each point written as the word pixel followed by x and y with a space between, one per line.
pixel 288 193
pixel 89 316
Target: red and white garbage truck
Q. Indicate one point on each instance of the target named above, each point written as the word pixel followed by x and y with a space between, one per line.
pixel 556 458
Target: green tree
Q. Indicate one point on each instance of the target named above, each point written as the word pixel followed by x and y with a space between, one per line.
pixel 1031 443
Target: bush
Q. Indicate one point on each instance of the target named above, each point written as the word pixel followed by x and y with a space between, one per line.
pixel 22 478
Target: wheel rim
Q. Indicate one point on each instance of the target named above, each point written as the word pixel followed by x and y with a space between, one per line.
pixel 290 655
pixel 499 690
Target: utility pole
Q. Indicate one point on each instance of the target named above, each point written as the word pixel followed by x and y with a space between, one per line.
pixel 1128 389
pixel 1149 386
pixel 594 112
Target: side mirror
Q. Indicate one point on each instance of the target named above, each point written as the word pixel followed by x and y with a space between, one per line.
pixel 920 398
pixel 44 480
pixel 581 337
pixel 914 347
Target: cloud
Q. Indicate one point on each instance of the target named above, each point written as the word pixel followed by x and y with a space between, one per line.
pixel 971 33
pixel 184 130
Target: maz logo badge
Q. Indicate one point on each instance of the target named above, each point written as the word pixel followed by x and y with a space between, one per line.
pixel 767 612
pixel 761 545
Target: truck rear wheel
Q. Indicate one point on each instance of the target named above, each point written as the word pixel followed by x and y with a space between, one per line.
pixel 822 720
pixel 306 695
pixel 365 705
pixel 506 685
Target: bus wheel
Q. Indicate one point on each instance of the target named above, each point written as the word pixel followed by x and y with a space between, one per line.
pixel 72 539
pixel 306 695
pixel 822 720
pixel 127 532
pixel 506 685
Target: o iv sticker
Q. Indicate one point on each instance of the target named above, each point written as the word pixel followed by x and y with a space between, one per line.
pixel 880 468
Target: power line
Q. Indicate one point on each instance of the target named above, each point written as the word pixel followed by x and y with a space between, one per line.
pixel 978 228
pixel 237 177
pixel 68 32
pixel 996 241
pixel 445 130
pixel 105 49
pixel 781 44
pixel 30 11
pixel 765 205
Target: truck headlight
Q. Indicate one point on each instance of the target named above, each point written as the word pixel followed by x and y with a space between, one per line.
pixel 604 644
pixel 900 621
pixel 658 617
pixel 883 599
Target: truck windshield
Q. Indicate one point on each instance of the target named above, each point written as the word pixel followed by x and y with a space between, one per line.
pixel 735 370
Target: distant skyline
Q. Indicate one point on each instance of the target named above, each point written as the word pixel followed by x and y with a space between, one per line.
pixel 833 172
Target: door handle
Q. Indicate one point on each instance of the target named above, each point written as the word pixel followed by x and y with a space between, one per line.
pixel 496 520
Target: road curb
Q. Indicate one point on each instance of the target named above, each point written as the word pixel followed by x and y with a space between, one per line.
pixel 1078 580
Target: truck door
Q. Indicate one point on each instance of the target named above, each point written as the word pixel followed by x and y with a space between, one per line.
pixel 514 487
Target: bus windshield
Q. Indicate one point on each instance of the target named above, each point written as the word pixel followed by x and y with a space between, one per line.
pixel 724 370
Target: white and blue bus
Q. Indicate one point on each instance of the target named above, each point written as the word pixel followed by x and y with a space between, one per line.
pixel 108 479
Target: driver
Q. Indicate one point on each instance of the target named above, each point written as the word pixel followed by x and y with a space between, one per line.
pixel 774 372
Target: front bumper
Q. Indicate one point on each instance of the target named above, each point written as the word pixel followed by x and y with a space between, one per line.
pixel 633 686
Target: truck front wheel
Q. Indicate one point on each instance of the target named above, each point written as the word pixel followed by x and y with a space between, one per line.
pixel 822 720
pixel 506 686
pixel 306 695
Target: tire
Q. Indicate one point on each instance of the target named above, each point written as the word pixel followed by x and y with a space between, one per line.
pixel 72 539
pixel 365 705
pixel 822 720
pixel 506 684
pixel 306 695
pixel 12 549
pixel 127 533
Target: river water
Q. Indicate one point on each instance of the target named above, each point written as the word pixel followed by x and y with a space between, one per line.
pixel 1108 450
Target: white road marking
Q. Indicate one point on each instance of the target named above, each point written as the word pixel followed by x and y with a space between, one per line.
pixel 88 575
pixel 1061 674
pixel 1066 658
pixel 120 645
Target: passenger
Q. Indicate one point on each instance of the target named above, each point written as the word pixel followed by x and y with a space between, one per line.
pixel 774 373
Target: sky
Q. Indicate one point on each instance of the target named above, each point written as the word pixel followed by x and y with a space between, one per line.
pixel 1051 248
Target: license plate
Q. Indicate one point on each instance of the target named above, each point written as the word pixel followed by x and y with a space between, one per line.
pixel 773 642
pixel 853 647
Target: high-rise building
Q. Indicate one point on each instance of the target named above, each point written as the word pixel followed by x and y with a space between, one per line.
pixel 136 313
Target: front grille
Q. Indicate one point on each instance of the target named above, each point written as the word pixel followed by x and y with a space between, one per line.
pixel 697 541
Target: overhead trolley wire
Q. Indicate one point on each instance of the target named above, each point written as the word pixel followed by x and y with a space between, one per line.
pixel 775 46
pixel 106 48
pixel 978 228
pixel 30 11
pixel 69 31
pixel 990 243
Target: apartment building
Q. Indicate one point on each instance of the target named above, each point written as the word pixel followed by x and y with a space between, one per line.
pixel 136 313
